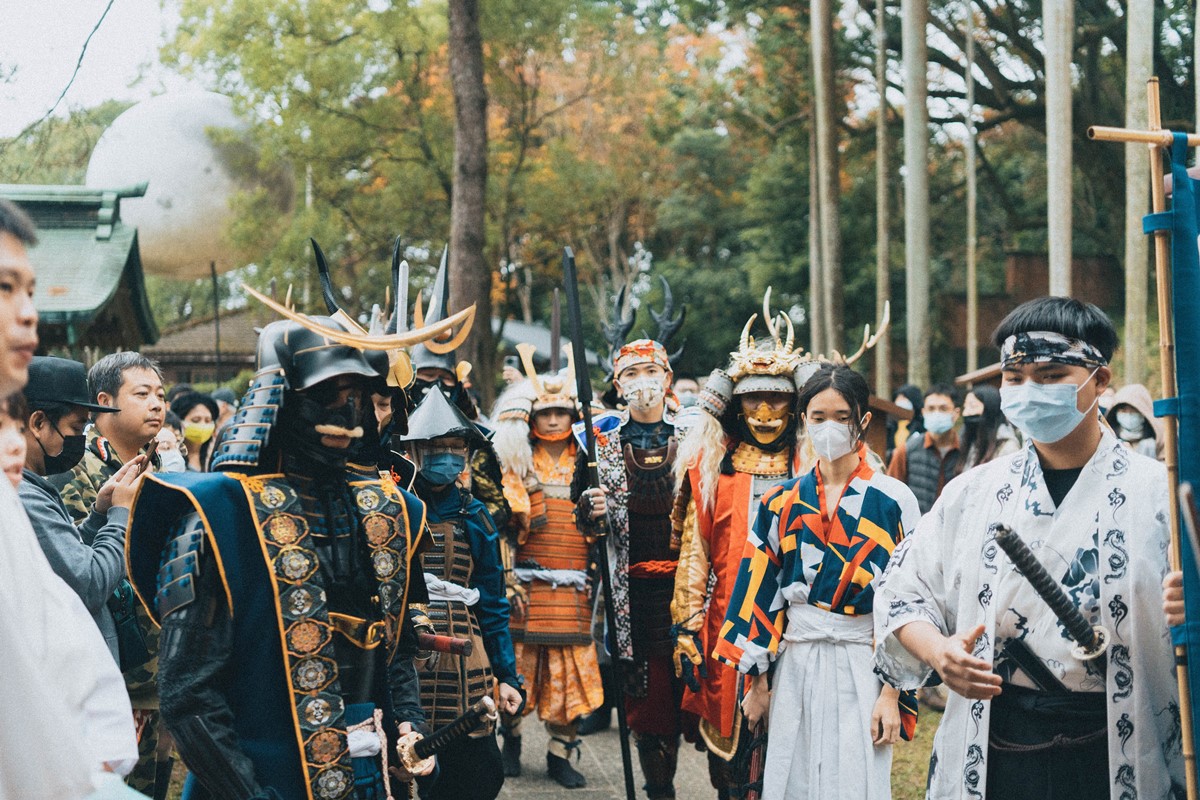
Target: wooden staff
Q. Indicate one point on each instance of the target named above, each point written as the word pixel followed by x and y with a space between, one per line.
pixel 1158 140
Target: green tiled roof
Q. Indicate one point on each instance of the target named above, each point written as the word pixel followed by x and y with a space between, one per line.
pixel 91 290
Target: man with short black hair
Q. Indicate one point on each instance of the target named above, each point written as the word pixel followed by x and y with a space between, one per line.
pixel 131 384
pixel 928 461
pixel 1031 715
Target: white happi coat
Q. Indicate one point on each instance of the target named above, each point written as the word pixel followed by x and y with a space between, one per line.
pixel 1107 545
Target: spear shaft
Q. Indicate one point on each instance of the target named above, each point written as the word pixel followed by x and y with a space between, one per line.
pixel 584 390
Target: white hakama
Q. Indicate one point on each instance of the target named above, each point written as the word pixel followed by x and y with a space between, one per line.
pixel 823 692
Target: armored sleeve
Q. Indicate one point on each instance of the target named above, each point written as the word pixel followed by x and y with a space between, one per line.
pixel 492 610
pixel 487 485
pixel 194 653
pixel 691 576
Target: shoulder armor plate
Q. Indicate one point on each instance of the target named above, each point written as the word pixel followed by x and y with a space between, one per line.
pixel 180 566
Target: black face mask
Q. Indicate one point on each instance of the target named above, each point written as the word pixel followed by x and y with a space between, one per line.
pixel 72 453
pixel 301 414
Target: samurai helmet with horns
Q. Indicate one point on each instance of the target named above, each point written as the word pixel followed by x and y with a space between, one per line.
pixel 300 352
pixel 439 351
pixel 775 364
pixel 399 367
pixel 616 330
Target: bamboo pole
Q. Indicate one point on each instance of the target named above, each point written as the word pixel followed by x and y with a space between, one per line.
pixel 1059 27
pixel 972 235
pixel 883 245
pixel 1159 139
pixel 1139 48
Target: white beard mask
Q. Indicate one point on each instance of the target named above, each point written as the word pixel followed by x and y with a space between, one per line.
pixel 643 394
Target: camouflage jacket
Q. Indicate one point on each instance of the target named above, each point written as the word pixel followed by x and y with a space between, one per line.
pixel 78 489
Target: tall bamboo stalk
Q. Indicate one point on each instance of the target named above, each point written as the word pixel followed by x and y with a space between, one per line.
pixel 1139 52
pixel 972 202
pixel 883 243
pixel 915 16
pixel 1059 25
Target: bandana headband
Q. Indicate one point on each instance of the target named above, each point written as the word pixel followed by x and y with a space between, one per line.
pixel 641 351
pixel 1038 347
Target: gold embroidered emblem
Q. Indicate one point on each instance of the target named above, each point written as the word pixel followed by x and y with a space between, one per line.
pixel 283 528
pixel 332 783
pixel 306 637
pixel 368 499
pixel 272 497
pixel 299 602
pixel 385 563
pixel 379 529
pixel 654 459
pixel 294 564
pixel 318 711
pixel 324 747
pixel 312 674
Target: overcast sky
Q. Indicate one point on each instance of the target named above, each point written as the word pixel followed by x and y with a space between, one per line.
pixel 42 40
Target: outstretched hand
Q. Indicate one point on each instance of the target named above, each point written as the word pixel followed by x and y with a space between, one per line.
pixel 965 674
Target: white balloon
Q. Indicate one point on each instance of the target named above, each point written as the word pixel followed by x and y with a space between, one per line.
pixel 184 218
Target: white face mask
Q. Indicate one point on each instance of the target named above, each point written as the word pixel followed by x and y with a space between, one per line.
pixel 643 394
pixel 172 461
pixel 831 439
pixel 1045 412
pixel 1130 421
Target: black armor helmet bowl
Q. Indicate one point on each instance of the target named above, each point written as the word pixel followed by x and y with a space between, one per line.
pixel 290 357
pixel 435 417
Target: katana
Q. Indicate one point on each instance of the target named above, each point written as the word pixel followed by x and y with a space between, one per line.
pixel 584 394
pixel 417 752
pixel 1091 640
pixel 445 644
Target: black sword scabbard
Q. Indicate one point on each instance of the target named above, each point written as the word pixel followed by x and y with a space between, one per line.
pixel 1078 628
pixel 448 734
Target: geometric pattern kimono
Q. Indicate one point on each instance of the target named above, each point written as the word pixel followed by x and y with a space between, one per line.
pixel 1106 545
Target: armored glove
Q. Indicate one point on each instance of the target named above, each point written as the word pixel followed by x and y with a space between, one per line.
pixel 426 659
pixel 688 660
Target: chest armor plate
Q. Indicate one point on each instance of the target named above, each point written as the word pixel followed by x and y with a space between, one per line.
pixel 651 482
pixel 449 555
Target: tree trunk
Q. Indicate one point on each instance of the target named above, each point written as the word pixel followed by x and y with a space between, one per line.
pixel 883 244
pixel 1059 26
pixel 915 15
pixel 1139 53
pixel 470 277
pixel 827 172
pixel 816 278
pixel 972 236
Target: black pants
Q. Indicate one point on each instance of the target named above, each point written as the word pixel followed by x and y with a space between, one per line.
pixel 1026 762
pixel 469 769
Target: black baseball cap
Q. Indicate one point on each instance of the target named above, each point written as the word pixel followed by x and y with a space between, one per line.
pixel 60 380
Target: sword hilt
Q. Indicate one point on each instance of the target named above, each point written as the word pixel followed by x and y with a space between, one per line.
pixel 445 644
pixel 417 752
pixel 1092 640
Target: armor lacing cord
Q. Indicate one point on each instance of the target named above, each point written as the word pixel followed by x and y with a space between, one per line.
pixel 653 569
pixel 568 747
pixel 375 725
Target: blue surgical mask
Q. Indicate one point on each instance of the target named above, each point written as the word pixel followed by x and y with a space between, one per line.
pixel 442 469
pixel 1045 412
pixel 938 422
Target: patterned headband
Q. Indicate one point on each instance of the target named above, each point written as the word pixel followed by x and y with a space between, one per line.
pixel 1037 347
pixel 641 351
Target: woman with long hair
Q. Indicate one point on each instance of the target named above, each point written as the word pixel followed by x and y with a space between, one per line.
pixel 986 433
pixel 199 415
pixel 802 607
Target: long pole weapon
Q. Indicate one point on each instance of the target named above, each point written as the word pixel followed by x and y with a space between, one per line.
pixel 584 389
pixel 1159 139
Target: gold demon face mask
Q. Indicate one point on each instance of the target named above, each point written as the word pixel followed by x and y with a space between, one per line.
pixel 767 422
